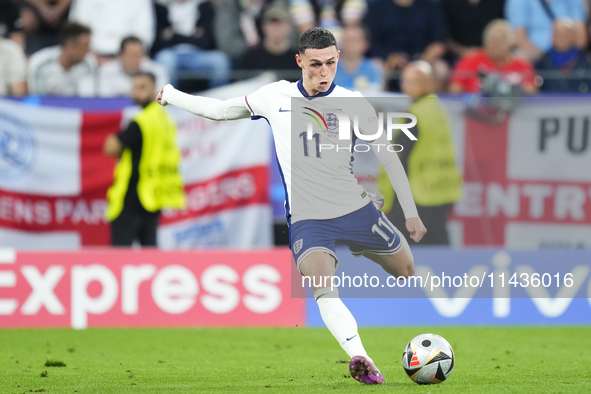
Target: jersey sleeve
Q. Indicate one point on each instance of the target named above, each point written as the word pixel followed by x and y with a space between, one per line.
pixel 368 125
pixel 256 103
pixel 206 107
pixel 367 117
pixel 396 174
pixel 406 145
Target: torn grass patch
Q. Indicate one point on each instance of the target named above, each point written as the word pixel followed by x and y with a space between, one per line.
pixel 55 363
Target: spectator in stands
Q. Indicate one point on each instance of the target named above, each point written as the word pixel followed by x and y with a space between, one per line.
pixel 277 51
pixel 116 76
pixel 330 14
pixel 406 30
pixel 65 70
pixel 495 57
pixel 11 23
pixel 237 25
pixel 13 68
pixel 355 71
pixel 565 68
pixel 533 19
pixel 430 161
pixel 146 177
pixel 191 43
pixel 113 20
pixel 42 21
pixel 466 20
pixel 163 31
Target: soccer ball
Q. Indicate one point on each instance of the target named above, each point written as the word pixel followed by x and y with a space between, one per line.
pixel 428 359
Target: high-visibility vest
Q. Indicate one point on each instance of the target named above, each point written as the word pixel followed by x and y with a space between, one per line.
pixel 160 184
pixel 432 172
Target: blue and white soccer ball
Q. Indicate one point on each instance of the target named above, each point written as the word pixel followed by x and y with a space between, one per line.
pixel 428 359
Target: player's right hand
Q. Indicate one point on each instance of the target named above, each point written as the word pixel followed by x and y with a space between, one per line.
pixel 416 228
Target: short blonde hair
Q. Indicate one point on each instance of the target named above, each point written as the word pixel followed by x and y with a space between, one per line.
pixel 499 24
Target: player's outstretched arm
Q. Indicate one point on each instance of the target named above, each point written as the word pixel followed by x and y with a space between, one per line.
pixel 401 186
pixel 206 107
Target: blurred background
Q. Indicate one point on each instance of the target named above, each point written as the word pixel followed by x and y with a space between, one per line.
pixel 511 78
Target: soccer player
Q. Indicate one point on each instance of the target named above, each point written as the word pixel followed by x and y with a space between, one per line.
pixel 334 206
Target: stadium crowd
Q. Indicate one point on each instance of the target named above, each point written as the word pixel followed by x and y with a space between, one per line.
pixel 94 47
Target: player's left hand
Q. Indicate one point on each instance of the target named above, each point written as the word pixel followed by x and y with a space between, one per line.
pixel 159 98
pixel 416 228
pixel 162 96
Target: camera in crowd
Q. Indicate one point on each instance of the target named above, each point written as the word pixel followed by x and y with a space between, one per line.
pixel 502 94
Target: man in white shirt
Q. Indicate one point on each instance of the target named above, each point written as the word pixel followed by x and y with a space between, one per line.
pixel 191 45
pixel 113 20
pixel 13 68
pixel 116 76
pixel 65 70
pixel 324 201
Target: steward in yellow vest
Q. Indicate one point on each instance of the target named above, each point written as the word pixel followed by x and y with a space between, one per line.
pixel 429 162
pixel 146 177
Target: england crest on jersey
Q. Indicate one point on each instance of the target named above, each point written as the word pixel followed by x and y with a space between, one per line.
pixel 332 121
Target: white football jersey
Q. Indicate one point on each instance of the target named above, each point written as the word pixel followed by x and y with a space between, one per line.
pixel 318 179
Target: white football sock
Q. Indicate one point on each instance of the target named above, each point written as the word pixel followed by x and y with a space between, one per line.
pixel 339 321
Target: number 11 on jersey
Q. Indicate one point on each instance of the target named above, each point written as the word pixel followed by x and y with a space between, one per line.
pixel 316 136
pixel 377 228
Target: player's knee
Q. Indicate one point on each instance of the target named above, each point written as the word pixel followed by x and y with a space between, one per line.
pixel 318 264
pixel 409 266
pixel 407 269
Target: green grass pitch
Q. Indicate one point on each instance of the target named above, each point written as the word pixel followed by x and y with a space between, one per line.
pixel 297 360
